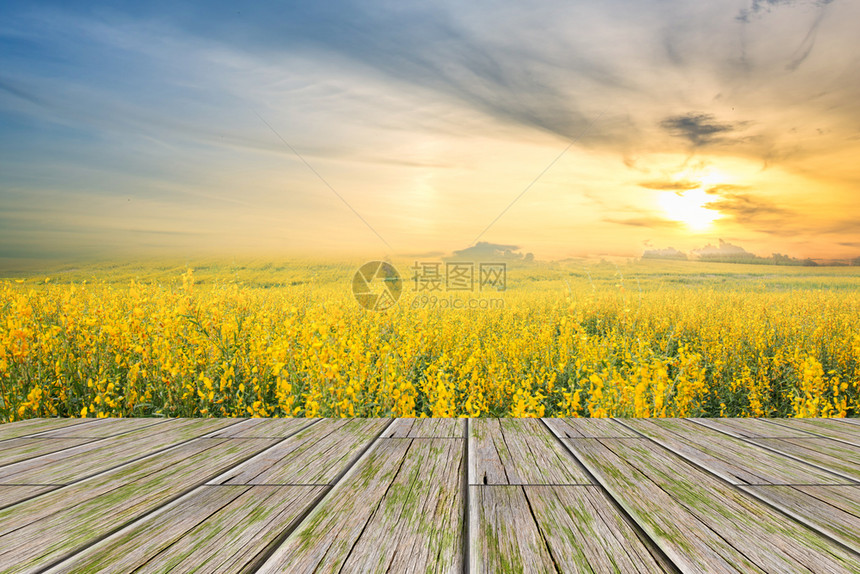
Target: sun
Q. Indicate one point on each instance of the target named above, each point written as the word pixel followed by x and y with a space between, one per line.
pixel 689 207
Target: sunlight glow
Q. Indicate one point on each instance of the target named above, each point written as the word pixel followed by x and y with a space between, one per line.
pixel 689 207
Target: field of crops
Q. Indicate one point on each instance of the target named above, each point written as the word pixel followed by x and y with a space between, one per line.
pixel 571 339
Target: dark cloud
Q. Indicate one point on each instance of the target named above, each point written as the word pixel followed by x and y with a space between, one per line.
pixel 764 6
pixel 699 129
pixel 670 185
pixel 808 42
pixel 490 251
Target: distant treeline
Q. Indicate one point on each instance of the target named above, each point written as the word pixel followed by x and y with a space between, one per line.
pixel 749 258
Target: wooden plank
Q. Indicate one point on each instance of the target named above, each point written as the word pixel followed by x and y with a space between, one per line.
pixel 10 495
pixel 103 428
pixel 485 462
pixel 400 509
pixel 588 428
pixel 264 428
pixel 503 534
pixel 701 523
pixel 32 426
pixel 853 421
pixel 315 455
pixel 519 451
pixel 846 498
pixel 17 449
pixel 213 529
pixel 835 456
pixel 584 531
pixel 833 510
pixel 425 428
pixel 735 460
pixel 75 463
pixel 829 428
pixel 52 526
pixel 750 427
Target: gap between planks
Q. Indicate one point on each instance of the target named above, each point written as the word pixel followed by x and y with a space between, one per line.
pixel 752 493
pixel 659 556
pixel 263 556
pixel 169 502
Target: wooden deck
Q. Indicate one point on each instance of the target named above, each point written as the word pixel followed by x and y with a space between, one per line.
pixel 430 495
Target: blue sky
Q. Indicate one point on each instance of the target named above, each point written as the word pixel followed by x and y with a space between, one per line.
pixel 136 128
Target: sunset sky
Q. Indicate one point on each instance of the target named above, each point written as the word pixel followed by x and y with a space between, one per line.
pixel 131 128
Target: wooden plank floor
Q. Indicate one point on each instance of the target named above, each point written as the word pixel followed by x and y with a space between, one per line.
pixel 430 495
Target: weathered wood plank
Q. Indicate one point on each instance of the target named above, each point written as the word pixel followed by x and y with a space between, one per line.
pixel 701 523
pixel 425 428
pixel 315 455
pixel 326 536
pixel 503 534
pixel 33 426
pixel 588 428
pixel 49 527
pixel 750 427
pixel 17 449
pixel 829 428
pixel 585 533
pixel 400 509
pixel 10 495
pixel 213 529
pixel 519 451
pixel 735 460
pixel 418 525
pixel 846 498
pixel 833 510
pixel 691 545
pixel 264 428
pixel 75 463
pixel 103 428
pixel 835 456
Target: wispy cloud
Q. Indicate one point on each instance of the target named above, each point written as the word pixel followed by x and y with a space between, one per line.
pixel 760 7
pixel 698 128
pixel 668 185
pixel 649 222
pixel 421 112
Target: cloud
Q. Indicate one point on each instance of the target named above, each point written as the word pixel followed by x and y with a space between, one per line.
pixel 649 222
pixel 667 253
pixel 698 128
pixel 765 216
pixel 669 185
pixel 754 212
pixel 805 47
pixel 759 7
pixel 726 188
pixel 10 88
pixel 152 101
pixel 483 249
pixel 724 249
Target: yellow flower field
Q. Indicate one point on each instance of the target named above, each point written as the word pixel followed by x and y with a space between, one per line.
pixel 576 339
